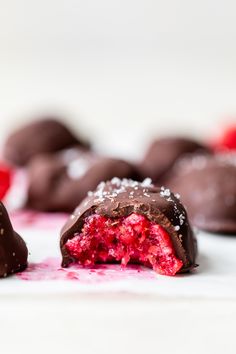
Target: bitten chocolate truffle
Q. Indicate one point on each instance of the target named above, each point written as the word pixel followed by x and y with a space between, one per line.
pixel 46 135
pixel 60 182
pixel 13 250
pixel 164 152
pixel 207 185
pixel 127 221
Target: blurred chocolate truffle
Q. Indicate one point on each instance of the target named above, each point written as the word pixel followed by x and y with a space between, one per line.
pixel 164 152
pixel 13 250
pixel 207 186
pixel 46 135
pixel 59 182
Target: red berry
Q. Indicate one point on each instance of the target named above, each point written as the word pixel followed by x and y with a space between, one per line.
pixel 227 140
pixel 5 180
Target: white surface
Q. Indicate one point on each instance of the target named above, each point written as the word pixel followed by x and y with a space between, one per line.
pixel 168 315
pixel 116 324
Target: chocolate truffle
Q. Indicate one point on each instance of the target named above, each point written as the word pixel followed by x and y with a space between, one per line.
pixel 164 152
pixel 127 221
pixel 59 182
pixel 45 135
pixel 13 250
pixel 207 185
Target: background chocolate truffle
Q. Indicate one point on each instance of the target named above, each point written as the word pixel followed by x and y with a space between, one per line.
pixel 118 199
pixel 207 185
pixel 164 152
pixel 59 182
pixel 13 250
pixel 45 135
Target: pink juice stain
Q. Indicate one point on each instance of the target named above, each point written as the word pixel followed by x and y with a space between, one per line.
pixel 50 269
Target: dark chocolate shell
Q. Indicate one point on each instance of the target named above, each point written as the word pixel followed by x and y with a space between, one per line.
pixel 46 135
pixel 207 185
pixel 118 198
pixel 60 182
pixel 164 152
pixel 13 250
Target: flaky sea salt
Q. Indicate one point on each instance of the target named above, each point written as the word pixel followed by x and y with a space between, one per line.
pixel 181 219
pixel 165 192
pixel 147 182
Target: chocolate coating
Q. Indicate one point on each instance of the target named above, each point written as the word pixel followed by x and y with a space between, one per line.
pixel 45 135
pixel 59 182
pixel 120 198
pixel 163 153
pixel 13 250
pixel 207 185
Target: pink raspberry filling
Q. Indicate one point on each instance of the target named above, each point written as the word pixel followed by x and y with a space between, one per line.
pixel 132 239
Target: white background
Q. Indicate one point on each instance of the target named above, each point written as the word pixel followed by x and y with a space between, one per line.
pixel 119 70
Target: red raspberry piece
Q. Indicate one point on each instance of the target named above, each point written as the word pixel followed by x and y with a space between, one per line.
pixel 5 179
pixel 227 140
